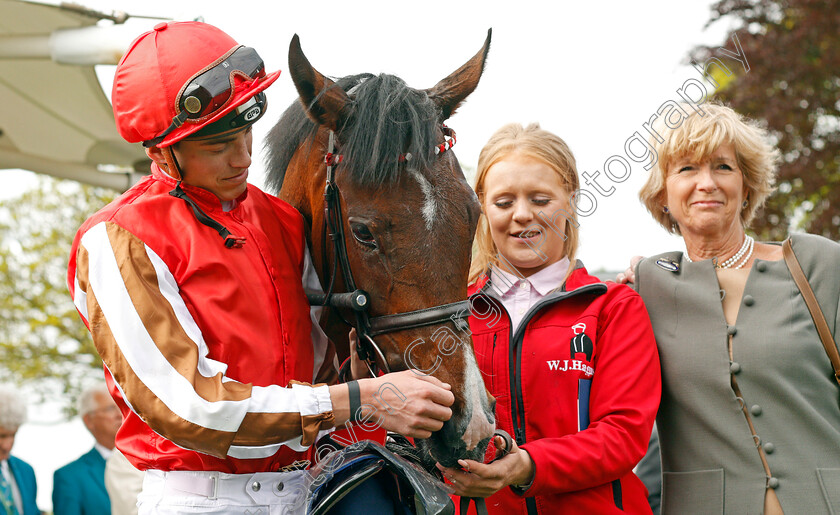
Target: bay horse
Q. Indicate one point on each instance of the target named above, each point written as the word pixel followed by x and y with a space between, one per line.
pixel 405 222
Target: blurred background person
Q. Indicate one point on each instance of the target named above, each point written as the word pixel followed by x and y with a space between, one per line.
pixel 79 486
pixel 123 482
pixel 750 415
pixel 17 479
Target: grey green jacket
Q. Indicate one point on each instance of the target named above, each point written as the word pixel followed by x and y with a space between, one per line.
pixel 709 461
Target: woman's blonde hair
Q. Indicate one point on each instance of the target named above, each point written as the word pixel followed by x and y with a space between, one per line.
pixel 697 138
pixel 536 143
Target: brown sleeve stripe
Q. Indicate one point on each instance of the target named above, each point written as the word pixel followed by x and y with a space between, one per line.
pixel 79 289
pixel 312 413
pixel 156 308
pixel 147 406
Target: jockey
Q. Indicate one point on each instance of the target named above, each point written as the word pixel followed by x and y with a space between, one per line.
pixel 192 286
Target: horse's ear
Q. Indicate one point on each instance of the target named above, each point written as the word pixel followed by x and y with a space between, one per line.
pixel 323 101
pixel 449 93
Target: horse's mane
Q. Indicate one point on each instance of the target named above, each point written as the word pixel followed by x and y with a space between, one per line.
pixel 386 118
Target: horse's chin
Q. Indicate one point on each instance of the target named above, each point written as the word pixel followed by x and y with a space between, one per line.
pixel 448 453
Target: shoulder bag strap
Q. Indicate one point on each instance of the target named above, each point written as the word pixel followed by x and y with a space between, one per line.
pixel 813 307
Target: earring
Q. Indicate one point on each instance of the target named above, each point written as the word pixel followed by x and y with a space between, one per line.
pixel 665 209
pixel 745 204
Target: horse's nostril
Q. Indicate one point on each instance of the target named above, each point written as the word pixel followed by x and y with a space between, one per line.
pixel 492 405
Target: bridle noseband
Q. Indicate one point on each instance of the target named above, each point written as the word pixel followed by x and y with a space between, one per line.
pixel 358 300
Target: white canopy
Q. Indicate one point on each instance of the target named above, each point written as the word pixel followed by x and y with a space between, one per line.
pixel 54 117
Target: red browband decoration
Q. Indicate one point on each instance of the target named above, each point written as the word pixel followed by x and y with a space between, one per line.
pixel 333 159
pixel 449 142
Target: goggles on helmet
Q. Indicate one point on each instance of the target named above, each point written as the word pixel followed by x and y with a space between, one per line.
pixel 241 116
pixel 210 89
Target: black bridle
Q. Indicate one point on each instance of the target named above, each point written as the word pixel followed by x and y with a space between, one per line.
pixel 358 300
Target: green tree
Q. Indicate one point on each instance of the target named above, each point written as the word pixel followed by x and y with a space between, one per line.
pixel 793 49
pixel 41 335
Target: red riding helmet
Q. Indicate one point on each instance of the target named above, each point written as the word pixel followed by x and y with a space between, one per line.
pixel 183 77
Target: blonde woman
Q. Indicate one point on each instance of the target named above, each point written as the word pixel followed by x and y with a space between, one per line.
pixel 570 360
pixel 749 421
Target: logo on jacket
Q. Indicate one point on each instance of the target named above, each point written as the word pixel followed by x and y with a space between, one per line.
pixel 581 348
pixel 581 343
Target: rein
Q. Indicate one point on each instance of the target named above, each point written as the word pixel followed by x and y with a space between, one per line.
pixel 480 503
pixel 358 300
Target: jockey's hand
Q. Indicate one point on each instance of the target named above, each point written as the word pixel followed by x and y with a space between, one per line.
pixel 475 479
pixel 629 275
pixel 357 367
pixel 407 403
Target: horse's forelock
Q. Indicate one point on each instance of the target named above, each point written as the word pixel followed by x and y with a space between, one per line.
pixel 388 119
pixel 293 130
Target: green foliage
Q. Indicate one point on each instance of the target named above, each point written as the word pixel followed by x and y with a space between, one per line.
pixel 41 335
pixel 793 48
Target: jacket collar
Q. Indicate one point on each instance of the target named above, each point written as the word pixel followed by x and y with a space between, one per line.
pixel 578 283
pixel 579 278
pixel 99 452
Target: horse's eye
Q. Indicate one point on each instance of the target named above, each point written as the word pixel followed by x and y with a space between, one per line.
pixel 363 235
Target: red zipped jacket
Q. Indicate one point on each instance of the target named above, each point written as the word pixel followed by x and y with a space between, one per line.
pixel 578 387
pixel 207 349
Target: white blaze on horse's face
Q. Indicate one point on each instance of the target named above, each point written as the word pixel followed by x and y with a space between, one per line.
pixel 430 205
pixel 479 427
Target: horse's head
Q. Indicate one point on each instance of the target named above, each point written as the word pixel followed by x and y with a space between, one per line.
pixel 409 218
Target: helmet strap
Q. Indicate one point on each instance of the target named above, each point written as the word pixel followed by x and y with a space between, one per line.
pixel 230 241
pixel 174 170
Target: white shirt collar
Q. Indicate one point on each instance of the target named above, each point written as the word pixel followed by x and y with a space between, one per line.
pixel 104 451
pixel 544 281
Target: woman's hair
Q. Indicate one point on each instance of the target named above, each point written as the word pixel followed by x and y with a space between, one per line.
pixel 697 138
pixel 12 409
pixel 536 143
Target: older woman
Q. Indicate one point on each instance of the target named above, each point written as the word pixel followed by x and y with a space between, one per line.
pixel 750 414
pixel 17 479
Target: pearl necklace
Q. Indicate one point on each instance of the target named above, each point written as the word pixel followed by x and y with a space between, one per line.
pixel 746 248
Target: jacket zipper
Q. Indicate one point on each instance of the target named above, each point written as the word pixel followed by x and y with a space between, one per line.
pixel 515 357
pixel 515 365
